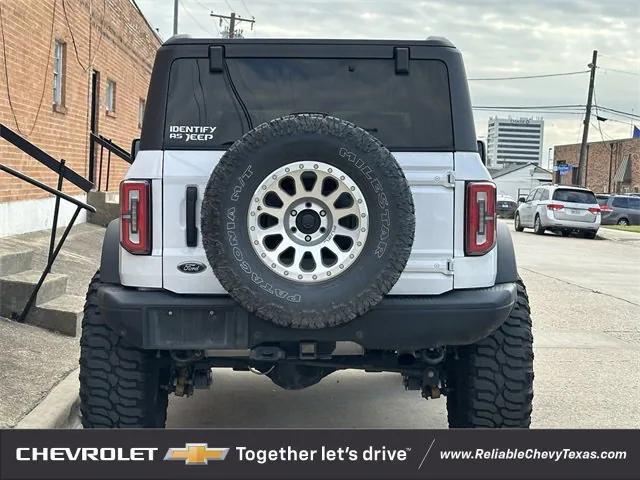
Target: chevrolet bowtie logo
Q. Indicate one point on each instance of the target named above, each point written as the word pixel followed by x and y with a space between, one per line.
pixel 196 454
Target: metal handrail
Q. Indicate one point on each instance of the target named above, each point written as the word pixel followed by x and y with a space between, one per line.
pixel 43 157
pixel 44 186
pixel 63 173
pixel 111 147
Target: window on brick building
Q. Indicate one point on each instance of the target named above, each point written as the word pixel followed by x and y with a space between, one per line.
pixel 59 61
pixel 141 106
pixel 111 96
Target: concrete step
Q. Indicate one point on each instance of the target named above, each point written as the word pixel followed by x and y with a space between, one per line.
pixel 107 207
pixel 62 314
pixel 112 197
pixel 16 288
pixel 14 260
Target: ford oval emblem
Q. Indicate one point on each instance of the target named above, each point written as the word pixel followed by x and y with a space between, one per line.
pixel 192 267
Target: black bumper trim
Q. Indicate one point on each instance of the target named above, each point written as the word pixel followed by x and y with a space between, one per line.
pixel 167 321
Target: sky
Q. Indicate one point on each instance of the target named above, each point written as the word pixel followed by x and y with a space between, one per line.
pixel 498 38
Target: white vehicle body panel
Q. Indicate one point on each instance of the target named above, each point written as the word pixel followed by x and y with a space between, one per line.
pixel 437 263
pixel 146 270
pixel 470 272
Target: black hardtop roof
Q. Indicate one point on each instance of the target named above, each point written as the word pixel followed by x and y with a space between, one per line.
pixel 185 47
pixel 188 40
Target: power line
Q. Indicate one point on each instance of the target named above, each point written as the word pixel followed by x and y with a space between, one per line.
pixel 616 70
pixel 598 121
pixel 546 112
pixel 526 107
pixel 6 71
pixel 546 75
pixel 620 112
pixel 233 19
pixel 73 39
pixel 246 8
pixel 195 20
pixel 621 59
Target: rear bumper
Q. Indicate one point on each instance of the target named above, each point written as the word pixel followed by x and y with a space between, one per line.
pixel 550 222
pixel 162 320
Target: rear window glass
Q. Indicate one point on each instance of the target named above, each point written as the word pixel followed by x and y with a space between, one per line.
pixel 574 196
pixel 404 111
pixel 622 202
pixel 627 202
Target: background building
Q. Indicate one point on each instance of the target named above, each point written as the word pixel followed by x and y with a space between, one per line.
pixel 60 59
pixel 519 179
pixel 612 166
pixel 514 141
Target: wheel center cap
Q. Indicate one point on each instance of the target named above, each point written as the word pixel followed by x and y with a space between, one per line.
pixel 308 221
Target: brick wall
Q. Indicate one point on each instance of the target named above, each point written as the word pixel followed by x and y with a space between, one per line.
pixel 111 37
pixel 602 162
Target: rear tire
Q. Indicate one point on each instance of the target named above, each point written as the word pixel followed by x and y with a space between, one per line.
pixel 120 386
pixel 491 382
pixel 623 221
pixel 538 229
pixel 516 223
pixel 590 234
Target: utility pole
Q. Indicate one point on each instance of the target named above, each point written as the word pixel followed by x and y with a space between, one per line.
pixel 233 19
pixel 582 163
pixel 175 17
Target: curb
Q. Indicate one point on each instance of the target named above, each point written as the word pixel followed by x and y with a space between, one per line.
pixel 618 236
pixel 59 409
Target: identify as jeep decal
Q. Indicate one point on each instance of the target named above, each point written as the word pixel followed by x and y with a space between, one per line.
pixel 383 202
pixel 192 267
pixel 191 133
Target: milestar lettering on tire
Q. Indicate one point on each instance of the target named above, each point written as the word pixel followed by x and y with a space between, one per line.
pixel 300 210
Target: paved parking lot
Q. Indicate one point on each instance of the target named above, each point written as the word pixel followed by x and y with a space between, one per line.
pixel 585 300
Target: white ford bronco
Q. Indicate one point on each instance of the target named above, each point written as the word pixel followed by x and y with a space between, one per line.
pixel 298 207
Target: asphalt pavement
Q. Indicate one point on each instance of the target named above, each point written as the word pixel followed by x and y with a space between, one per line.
pixel 585 301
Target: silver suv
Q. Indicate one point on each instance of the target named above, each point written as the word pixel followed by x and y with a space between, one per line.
pixel 559 209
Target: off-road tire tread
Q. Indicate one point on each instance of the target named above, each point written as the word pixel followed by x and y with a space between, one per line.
pixel 213 223
pixel 119 384
pixel 492 380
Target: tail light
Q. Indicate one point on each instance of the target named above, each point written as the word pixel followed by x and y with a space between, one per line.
pixel 555 206
pixel 135 216
pixel 606 209
pixel 595 210
pixel 480 235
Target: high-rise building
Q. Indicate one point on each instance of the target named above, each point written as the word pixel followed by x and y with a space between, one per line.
pixel 514 141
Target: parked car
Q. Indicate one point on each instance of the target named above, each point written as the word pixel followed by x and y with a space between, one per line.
pixel 258 235
pixel 560 209
pixel 620 209
pixel 506 206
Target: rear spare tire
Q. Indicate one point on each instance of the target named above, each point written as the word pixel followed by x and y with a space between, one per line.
pixel 307 221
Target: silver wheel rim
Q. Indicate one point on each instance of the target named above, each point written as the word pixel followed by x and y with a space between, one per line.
pixel 308 221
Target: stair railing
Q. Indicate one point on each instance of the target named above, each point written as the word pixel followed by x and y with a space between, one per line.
pixel 63 172
pixel 111 147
